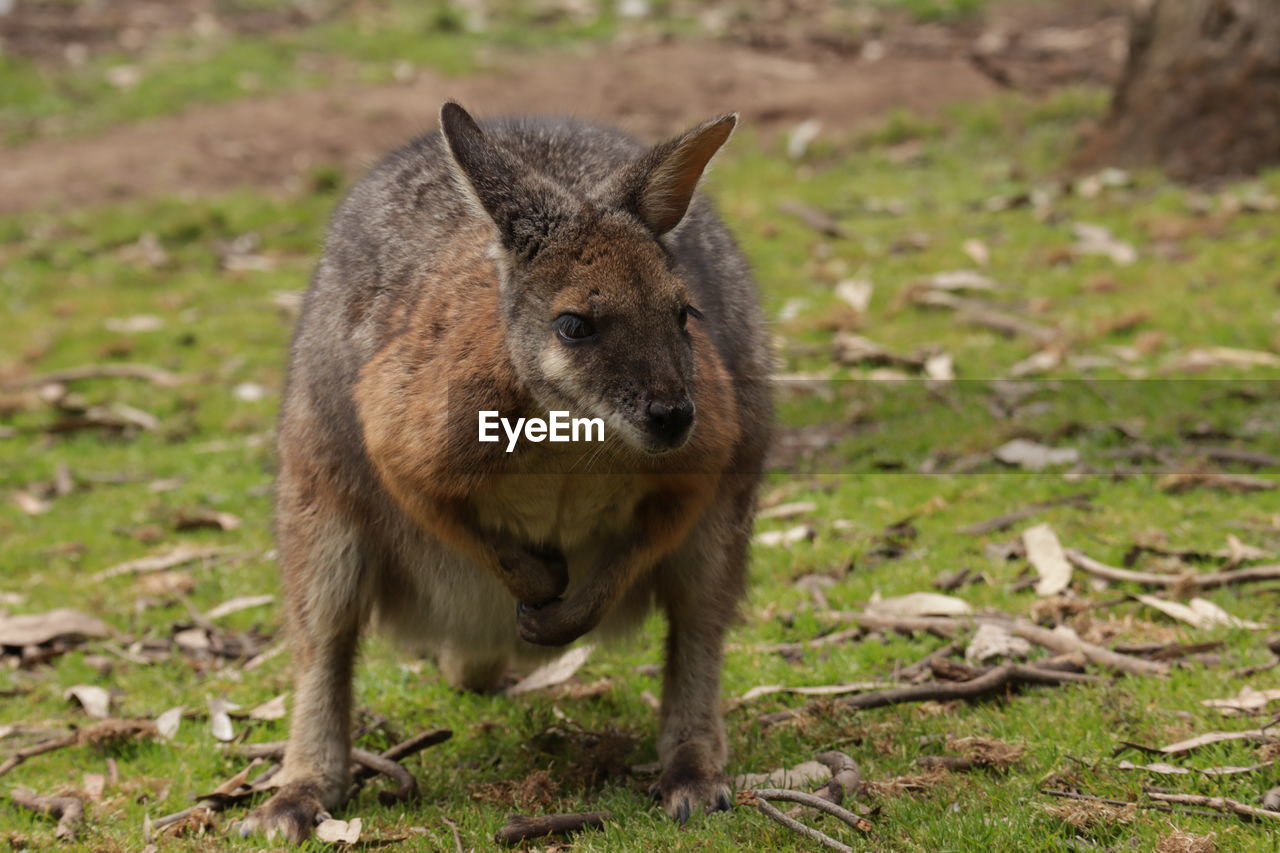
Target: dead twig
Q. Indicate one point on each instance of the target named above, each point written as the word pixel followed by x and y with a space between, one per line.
pixel 68 810
pixel 1003 522
pixel 145 372
pixel 924 666
pixel 1221 803
pixel 1185 581
pixel 760 797
pixel 457 836
pixel 406 785
pixel 523 827
pixel 987 684
pixel 20 755
pixel 1089 798
pixel 845 776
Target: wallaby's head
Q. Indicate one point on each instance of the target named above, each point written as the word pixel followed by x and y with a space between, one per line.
pixel 598 320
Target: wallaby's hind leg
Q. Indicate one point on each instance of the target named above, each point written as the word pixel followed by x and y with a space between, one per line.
pixel 324 599
pixel 700 591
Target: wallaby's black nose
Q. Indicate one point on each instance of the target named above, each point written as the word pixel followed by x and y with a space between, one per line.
pixel 670 419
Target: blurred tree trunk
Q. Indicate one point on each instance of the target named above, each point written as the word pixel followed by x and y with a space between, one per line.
pixel 1200 93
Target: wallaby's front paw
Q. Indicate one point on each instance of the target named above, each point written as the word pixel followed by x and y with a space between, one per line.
pixel 550 624
pixel 690 781
pixel 535 576
pixel 293 812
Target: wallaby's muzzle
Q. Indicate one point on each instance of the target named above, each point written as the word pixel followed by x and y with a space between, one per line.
pixel 669 422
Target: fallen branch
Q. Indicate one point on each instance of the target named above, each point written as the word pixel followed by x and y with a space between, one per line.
pixel 145 372
pixel 998 679
pixel 99 732
pixel 922 667
pixel 1220 803
pixel 1060 641
pixel 179 556
pixel 68 810
pixel 1066 641
pixel 20 755
pixel 1185 581
pixel 1090 798
pixel 761 797
pixel 845 776
pixel 406 785
pixel 1003 522
pixel 523 827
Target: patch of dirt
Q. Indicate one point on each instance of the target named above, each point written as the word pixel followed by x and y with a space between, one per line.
pixel 274 143
pixel 779 68
pixel 55 32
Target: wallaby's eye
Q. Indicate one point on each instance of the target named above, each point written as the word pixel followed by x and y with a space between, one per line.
pixel 574 328
pixel 685 313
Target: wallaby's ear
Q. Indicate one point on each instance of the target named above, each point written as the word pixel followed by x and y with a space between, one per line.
pixel 525 208
pixel 660 189
pixel 485 168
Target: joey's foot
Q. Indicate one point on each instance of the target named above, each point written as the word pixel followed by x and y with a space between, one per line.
pixel 550 624
pixel 537 575
pixel 687 783
pixel 293 812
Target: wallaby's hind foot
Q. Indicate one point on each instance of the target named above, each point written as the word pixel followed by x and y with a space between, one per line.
pixel 691 778
pixel 294 811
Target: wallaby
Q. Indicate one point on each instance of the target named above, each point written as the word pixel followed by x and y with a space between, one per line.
pixel 520 266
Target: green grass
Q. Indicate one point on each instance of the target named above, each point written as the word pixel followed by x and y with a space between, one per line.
pixel 62 275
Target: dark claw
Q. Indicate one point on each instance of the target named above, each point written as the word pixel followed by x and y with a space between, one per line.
pixel 655 793
pixel 723 802
pixel 683 811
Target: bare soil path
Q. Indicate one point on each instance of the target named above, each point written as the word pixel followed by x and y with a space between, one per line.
pixel 274 142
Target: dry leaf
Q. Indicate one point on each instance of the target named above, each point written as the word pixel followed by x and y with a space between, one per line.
pixel 35 629
pixel 1246 701
pixel 820 690
pixel 940 367
pixel 1045 554
pixel 1206 357
pixel 167 723
pixel 272 709
pixel 556 672
pixel 31 504
pixel 220 719
pixel 1174 770
pixel 1034 456
pixel 1213 737
pixel 856 293
pixel 994 642
pixel 133 325
pixel 204 518
pixel 235 605
pixel 95 700
pixel 1198 612
pixel 790 536
pixel 192 640
pixel 1183 482
pixel 788 510
pixel 1096 240
pixel 339 831
pixel 800 136
pixel 94 785
pixel 959 280
pixel 977 251
pixel 920 604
